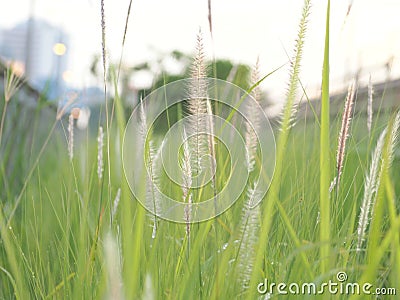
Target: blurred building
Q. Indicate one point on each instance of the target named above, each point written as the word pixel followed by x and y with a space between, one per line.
pixel 40 51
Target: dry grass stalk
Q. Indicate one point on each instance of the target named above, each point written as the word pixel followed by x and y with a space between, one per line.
pixel 369 105
pixel 100 145
pixel 210 18
pixel 252 125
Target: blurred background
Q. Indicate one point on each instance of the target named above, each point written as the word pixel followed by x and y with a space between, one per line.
pixel 57 44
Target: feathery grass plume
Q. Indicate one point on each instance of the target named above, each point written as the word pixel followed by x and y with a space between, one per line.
pixel 375 240
pixel 103 42
pixel 197 106
pixel 152 163
pixel 369 107
pixel 288 114
pixel 107 114
pixel 371 182
pixel 254 122
pixel 393 139
pixel 211 144
pixel 198 68
pixel 187 182
pixel 115 204
pixel 249 230
pixel 113 267
pixel 143 130
pixel 100 145
pixel 344 131
pixel 255 77
pixel 71 136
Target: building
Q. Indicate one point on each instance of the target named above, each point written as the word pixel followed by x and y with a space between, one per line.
pixel 40 51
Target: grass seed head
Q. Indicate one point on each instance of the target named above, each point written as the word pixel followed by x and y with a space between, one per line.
pixel 100 145
pixel 344 131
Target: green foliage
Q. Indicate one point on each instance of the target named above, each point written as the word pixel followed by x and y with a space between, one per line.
pixel 54 245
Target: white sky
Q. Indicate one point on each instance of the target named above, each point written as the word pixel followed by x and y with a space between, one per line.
pixel 242 31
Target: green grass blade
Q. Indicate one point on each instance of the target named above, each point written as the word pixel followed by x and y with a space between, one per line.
pixel 12 259
pixel 325 157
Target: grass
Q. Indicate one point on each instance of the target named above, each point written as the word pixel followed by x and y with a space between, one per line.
pixel 324 158
pixel 68 233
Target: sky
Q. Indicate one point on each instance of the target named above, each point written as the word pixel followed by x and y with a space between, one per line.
pixel 242 31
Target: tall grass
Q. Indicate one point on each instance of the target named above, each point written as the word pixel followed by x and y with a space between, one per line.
pixel 71 229
pixel 286 123
pixel 324 159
